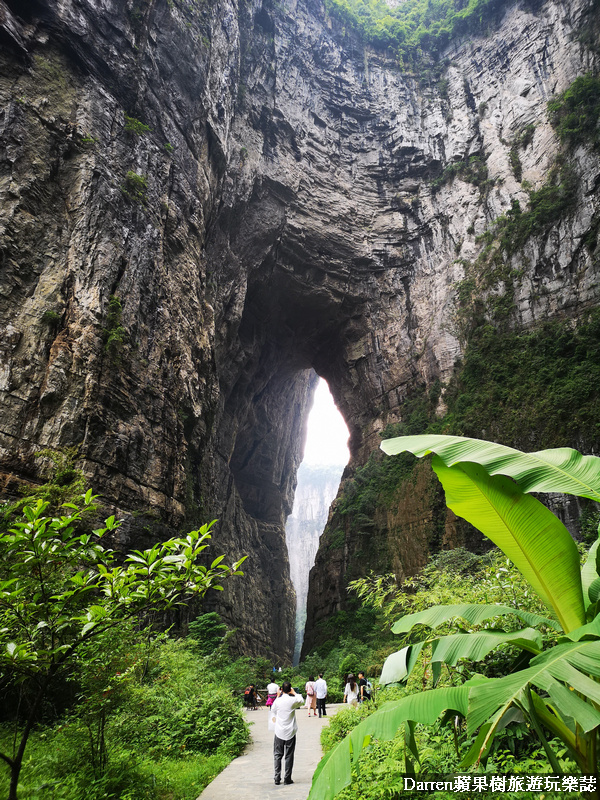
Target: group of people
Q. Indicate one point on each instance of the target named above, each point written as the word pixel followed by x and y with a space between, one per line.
pixel 283 703
pixel 316 693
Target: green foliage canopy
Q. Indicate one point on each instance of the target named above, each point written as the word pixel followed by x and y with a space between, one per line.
pixel 59 588
pixel 414 26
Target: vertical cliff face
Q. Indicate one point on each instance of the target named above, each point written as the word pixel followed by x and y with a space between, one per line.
pixel 259 195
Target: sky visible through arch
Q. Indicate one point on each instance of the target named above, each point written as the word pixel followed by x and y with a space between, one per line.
pixel 327 434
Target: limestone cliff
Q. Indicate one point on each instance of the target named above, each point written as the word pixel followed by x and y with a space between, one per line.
pixel 200 201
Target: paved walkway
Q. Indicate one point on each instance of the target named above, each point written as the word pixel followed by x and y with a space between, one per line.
pixel 250 777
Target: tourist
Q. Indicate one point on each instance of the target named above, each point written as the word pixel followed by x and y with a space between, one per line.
pixel 321 694
pixel 286 727
pixel 250 696
pixel 351 691
pixel 272 690
pixel 311 697
pixel 363 688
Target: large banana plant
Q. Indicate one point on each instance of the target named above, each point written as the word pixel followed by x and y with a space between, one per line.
pixel 489 485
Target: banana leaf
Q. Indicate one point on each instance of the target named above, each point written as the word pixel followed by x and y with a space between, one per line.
pixel 475 646
pixel 398 666
pixel 558 470
pixel 561 663
pixel 450 649
pixel 589 571
pixel 589 631
pixel 335 769
pixel 475 614
pixel 525 530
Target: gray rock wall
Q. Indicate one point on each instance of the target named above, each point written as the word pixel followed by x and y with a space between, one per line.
pixel 282 218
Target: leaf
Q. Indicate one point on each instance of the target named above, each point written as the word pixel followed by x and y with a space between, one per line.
pixel 594 590
pixel 395 668
pixel 474 614
pixel 475 646
pixel 334 770
pixel 525 530
pixel 558 470
pixel 589 571
pixel 562 663
pixel 589 631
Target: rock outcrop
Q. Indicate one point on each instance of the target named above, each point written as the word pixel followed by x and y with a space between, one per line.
pixel 255 191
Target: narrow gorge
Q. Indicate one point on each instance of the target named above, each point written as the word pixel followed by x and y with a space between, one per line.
pixel 206 204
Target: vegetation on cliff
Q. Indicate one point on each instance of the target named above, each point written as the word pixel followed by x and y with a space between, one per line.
pixel 414 26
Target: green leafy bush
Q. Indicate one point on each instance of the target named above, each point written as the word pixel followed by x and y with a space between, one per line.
pixel 114 334
pixel 135 187
pixel 576 112
pixel 473 170
pixel 547 206
pixel 551 687
pixel 135 127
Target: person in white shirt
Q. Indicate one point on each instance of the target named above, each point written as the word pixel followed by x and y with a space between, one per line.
pixel 286 727
pixel 351 691
pixel 272 690
pixel 321 692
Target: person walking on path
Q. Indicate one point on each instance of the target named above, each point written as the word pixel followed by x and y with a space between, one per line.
pixel 272 690
pixel 286 727
pixel 363 688
pixel 321 693
pixel 311 697
pixel 351 691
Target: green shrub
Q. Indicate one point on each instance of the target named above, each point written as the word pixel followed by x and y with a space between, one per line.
pixel 135 187
pixel 114 334
pixel 343 722
pixel 50 318
pixel 135 127
pixel 547 206
pixel 575 113
pixel 473 170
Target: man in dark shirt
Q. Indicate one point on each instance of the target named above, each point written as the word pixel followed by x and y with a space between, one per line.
pixel 363 688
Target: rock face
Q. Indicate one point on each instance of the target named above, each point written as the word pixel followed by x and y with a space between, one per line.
pixel 277 214
pixel 316 490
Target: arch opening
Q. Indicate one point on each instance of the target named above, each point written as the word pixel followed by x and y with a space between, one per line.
pixel 325 457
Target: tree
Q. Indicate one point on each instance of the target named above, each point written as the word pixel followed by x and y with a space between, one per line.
pixel 60 588
pixel 489 485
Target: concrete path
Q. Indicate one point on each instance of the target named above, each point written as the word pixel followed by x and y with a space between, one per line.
pixel 250 777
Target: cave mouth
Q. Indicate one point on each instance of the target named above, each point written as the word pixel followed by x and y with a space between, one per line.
pixel 326 455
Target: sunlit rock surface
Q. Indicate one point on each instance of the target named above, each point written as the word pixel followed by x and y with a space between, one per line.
pixel 316 490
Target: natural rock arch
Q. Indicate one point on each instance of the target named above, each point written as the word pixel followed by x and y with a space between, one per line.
pixel 278 215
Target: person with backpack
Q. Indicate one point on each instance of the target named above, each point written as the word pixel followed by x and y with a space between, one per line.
pixel 311 696
pixel 364 687
pixel 250 697
pixel 272 690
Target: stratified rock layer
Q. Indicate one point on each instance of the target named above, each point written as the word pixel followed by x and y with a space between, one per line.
pixel 277 215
